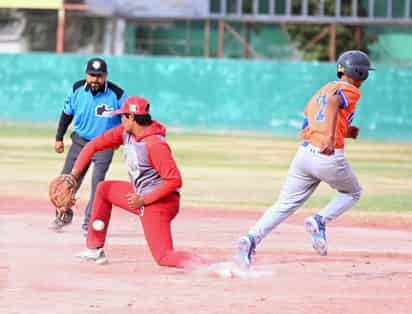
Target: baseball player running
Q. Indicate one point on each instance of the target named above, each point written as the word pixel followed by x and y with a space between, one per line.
pixel 153 193
pixel 327 122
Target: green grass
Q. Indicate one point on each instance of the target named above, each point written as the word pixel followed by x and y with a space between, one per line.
pixel 19 130
pixel 219 171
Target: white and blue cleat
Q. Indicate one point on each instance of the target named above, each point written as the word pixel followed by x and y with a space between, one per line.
pixel 317 229
pixel 95 255
pixel 245 250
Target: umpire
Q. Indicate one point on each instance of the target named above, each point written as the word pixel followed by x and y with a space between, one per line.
pixel 89 104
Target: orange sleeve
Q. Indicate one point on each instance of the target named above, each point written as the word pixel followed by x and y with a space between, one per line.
pixel 348 94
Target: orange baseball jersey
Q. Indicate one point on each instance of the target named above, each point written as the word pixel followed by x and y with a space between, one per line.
pixel 317 115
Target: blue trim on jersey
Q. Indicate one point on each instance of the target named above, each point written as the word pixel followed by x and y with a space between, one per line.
pixel 344 102
pixel 305 123
pixel 350 118
pixel 92 114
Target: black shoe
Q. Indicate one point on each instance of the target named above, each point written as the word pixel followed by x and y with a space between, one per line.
pixel 62 219
pixel 85 229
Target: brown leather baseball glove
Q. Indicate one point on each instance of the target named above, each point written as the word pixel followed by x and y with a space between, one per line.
pixel 62 190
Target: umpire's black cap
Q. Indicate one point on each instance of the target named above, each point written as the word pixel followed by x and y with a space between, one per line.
pixel 96 66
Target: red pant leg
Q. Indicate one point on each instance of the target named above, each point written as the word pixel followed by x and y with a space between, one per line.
pixel 156 223
pixel 108 193
pixel 157 229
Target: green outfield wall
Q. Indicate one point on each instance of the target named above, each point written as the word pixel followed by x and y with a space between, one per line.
pixel 200 94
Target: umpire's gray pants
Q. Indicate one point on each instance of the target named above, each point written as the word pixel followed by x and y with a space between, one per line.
pixel 101 161
pixel 307 170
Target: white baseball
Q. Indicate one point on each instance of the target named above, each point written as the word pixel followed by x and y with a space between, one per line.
pixel 98 225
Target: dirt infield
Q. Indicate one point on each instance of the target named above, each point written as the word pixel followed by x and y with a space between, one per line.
pixel 368 269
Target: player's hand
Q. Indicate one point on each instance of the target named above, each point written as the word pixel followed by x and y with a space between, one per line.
pixel 134 201
pixel 59 147
pixel 353 132
pixel 329 147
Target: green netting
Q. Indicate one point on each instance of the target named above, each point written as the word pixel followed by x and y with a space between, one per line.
pixel 130 39
pixel 187 38
pixel 392 45
pixel 380 8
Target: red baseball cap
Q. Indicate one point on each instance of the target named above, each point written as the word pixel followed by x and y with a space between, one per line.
pixel 134 104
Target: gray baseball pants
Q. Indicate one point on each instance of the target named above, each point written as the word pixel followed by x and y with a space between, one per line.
pixel 101 161
pixel 308 168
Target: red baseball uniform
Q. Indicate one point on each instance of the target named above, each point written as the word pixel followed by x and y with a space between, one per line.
pixel 155 176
